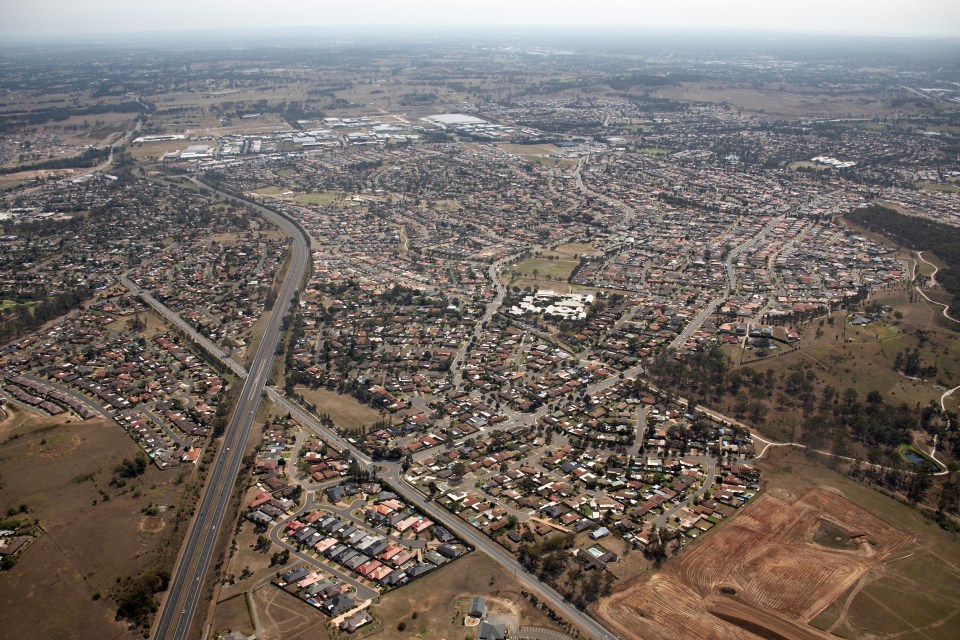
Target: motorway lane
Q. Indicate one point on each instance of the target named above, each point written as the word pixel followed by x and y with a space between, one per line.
pixel 185 591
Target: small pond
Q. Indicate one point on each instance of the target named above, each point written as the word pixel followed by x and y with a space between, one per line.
pixel 916 459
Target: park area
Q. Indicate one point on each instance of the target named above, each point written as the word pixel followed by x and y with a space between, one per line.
pixel 549 269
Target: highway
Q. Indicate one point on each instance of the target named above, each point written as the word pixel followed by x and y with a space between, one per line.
pixel 186 586
pixel 185 593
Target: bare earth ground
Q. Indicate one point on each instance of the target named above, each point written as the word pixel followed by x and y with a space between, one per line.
pixel 764 574
pixel 89 542
pixel 285 617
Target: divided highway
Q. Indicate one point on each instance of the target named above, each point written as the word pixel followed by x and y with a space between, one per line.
pixel 186 586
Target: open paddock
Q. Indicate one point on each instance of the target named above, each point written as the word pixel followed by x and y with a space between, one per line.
pixel 95 535
pixel 790 101
pixel 543 269
pixel 343 409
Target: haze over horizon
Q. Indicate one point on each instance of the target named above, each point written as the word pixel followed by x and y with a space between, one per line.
pixel 57 18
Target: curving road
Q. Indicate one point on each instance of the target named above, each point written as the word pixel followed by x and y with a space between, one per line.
pixel 186 590
pixel 933 283
pixel 493 272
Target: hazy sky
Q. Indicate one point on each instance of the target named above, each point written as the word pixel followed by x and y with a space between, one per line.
pixel 81 17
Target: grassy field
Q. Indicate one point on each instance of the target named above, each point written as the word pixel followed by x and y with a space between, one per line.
pixel 9 182
pixel 558 287
pixel 95 534
pixel 100 126
pixel 568 251
pixel 272 192
pixel 145 150
pixel 543 269
pixel 343 409
pixel 863 357
pixel 435 606
pixel 790 101
pixel 325 197
pixel 653 151
pixel 938 186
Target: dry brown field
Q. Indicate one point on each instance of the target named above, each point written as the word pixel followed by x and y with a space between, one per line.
pixel 95 534
pixel 440 601
pixel 342 408
pixel 787 100
pixel 233 615
pixel 284 617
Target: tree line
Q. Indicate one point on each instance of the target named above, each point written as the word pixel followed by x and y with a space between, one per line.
pixel 920 234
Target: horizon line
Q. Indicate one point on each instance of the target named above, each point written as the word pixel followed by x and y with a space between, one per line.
pixel 407 30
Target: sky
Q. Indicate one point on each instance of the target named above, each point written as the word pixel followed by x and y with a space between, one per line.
pixel 29 18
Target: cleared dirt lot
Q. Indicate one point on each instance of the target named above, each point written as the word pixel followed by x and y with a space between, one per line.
pixel 764 571
pixel 817 555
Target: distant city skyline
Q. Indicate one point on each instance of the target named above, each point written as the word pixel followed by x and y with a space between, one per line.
pixel 44 18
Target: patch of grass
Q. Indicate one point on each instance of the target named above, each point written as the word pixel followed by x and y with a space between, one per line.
pixel 938 186
pixel 546 270
pixel 343 409
pixel 568 251
pixel 320 197
pixel 832 536
pixel 272 192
